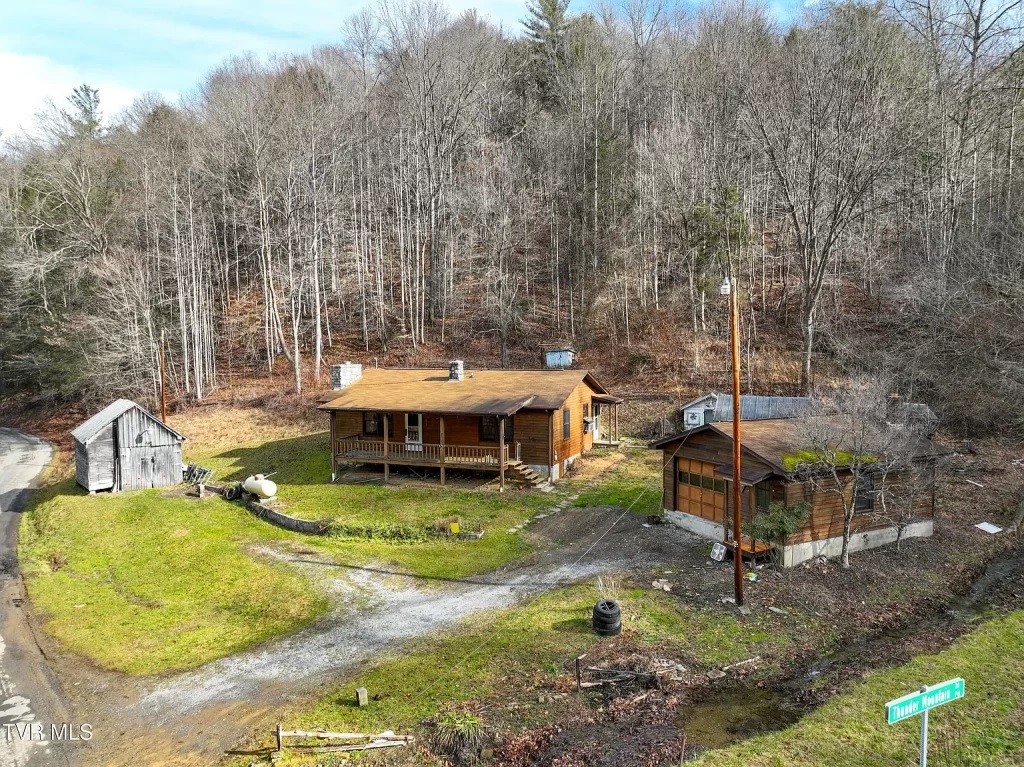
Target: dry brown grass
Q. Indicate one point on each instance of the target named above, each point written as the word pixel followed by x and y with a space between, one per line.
pixel 223 427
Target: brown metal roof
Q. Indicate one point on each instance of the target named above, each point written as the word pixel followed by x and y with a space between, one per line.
pixel 481 392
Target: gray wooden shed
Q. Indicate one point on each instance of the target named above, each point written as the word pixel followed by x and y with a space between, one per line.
pixel 124 447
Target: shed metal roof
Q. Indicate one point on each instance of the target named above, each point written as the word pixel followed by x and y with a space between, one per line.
pixel 480 392
pixel 755 407
pixel 91 427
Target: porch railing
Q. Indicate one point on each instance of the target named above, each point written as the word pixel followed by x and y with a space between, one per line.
pixel 359 449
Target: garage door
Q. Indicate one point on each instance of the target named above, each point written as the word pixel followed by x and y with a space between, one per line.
pixel 698 491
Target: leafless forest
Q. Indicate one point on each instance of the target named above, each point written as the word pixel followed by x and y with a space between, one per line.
pixel 432 182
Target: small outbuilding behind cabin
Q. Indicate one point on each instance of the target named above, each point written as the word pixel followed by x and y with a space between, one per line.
pixel 124 447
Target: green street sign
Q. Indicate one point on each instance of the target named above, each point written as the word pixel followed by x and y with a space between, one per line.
pixel 919 702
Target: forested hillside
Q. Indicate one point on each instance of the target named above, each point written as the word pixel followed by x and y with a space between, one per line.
pixel 433 185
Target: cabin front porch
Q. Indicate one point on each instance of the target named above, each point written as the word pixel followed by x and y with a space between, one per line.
pixel 405 446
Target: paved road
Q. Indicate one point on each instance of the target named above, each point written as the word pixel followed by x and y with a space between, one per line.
pixel 29 693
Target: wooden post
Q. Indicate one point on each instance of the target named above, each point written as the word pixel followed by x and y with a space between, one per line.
pixel 737 417
pixel 334 447
pixel 442 451
pixel 551 442
pixel 501 454
pixel 280 745
pixel 386 467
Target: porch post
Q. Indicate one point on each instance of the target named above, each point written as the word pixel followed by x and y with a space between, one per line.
pixel 501 454
pixel 334 457
pixel 442 451
pixel 386 467
pixel 551 443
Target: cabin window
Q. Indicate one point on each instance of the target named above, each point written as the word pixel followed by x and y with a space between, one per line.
pixel 489 431
pixel 763 495
pixel 864 495
pixel 373 425
pixel 566 423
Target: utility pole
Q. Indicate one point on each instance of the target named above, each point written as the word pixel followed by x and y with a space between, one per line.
pixel 728 288
pixel 163 382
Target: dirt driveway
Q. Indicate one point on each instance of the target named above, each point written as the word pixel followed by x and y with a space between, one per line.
pixel 193 718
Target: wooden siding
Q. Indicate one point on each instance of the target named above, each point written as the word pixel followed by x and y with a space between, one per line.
pixel 579 442
pixel 826 520
pixel 531 431
pixel 701 453
pixel 95 465
pixel 538 432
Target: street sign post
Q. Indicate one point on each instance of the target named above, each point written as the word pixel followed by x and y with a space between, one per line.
pixel 920 702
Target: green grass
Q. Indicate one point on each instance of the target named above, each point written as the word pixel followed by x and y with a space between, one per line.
pixel 635 482
pixel 149 582
pixel 505 653
pixel 985 729
pixel 302 471
pixel 146 583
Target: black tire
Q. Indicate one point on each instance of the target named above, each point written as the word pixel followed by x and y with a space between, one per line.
pixel 233 491
pixel 609 631
pixel 607 611
pixel 607 618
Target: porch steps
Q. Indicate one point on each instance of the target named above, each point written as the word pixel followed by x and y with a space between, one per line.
pixel 523 473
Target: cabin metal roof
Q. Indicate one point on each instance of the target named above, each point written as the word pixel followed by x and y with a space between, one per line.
pixel 480 392
pixel 92 426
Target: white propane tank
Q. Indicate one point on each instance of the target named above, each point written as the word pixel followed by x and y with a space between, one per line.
pixel 261 486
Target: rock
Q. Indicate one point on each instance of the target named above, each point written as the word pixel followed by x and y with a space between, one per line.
pixel 513 530
pixel 744 610
pixel 728 601
pixel 715 674
pixel 361 697
pixel 778 611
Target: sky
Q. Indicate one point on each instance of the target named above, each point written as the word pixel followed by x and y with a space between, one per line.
pixel 125 48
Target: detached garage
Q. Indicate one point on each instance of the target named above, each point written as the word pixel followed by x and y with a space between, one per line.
pixel 123 447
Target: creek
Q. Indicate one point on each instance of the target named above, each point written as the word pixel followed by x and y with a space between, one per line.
pixel 732 714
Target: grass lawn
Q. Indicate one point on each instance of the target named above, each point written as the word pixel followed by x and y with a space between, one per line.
pixel 143 583
pixel 986 728
pixel 148 582
pixel 636 476
pixel 504 655
pixel 380 524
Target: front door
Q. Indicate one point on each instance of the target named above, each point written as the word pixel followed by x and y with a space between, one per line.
pixel 414 432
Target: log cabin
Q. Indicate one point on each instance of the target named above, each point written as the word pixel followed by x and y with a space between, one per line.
pixel 528 425
pixel 698 476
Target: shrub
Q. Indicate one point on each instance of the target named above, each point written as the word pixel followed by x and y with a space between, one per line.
pixel 380 531
pixel 457 732
pixel 778 522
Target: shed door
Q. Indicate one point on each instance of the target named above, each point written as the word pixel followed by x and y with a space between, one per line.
pixel 698 491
